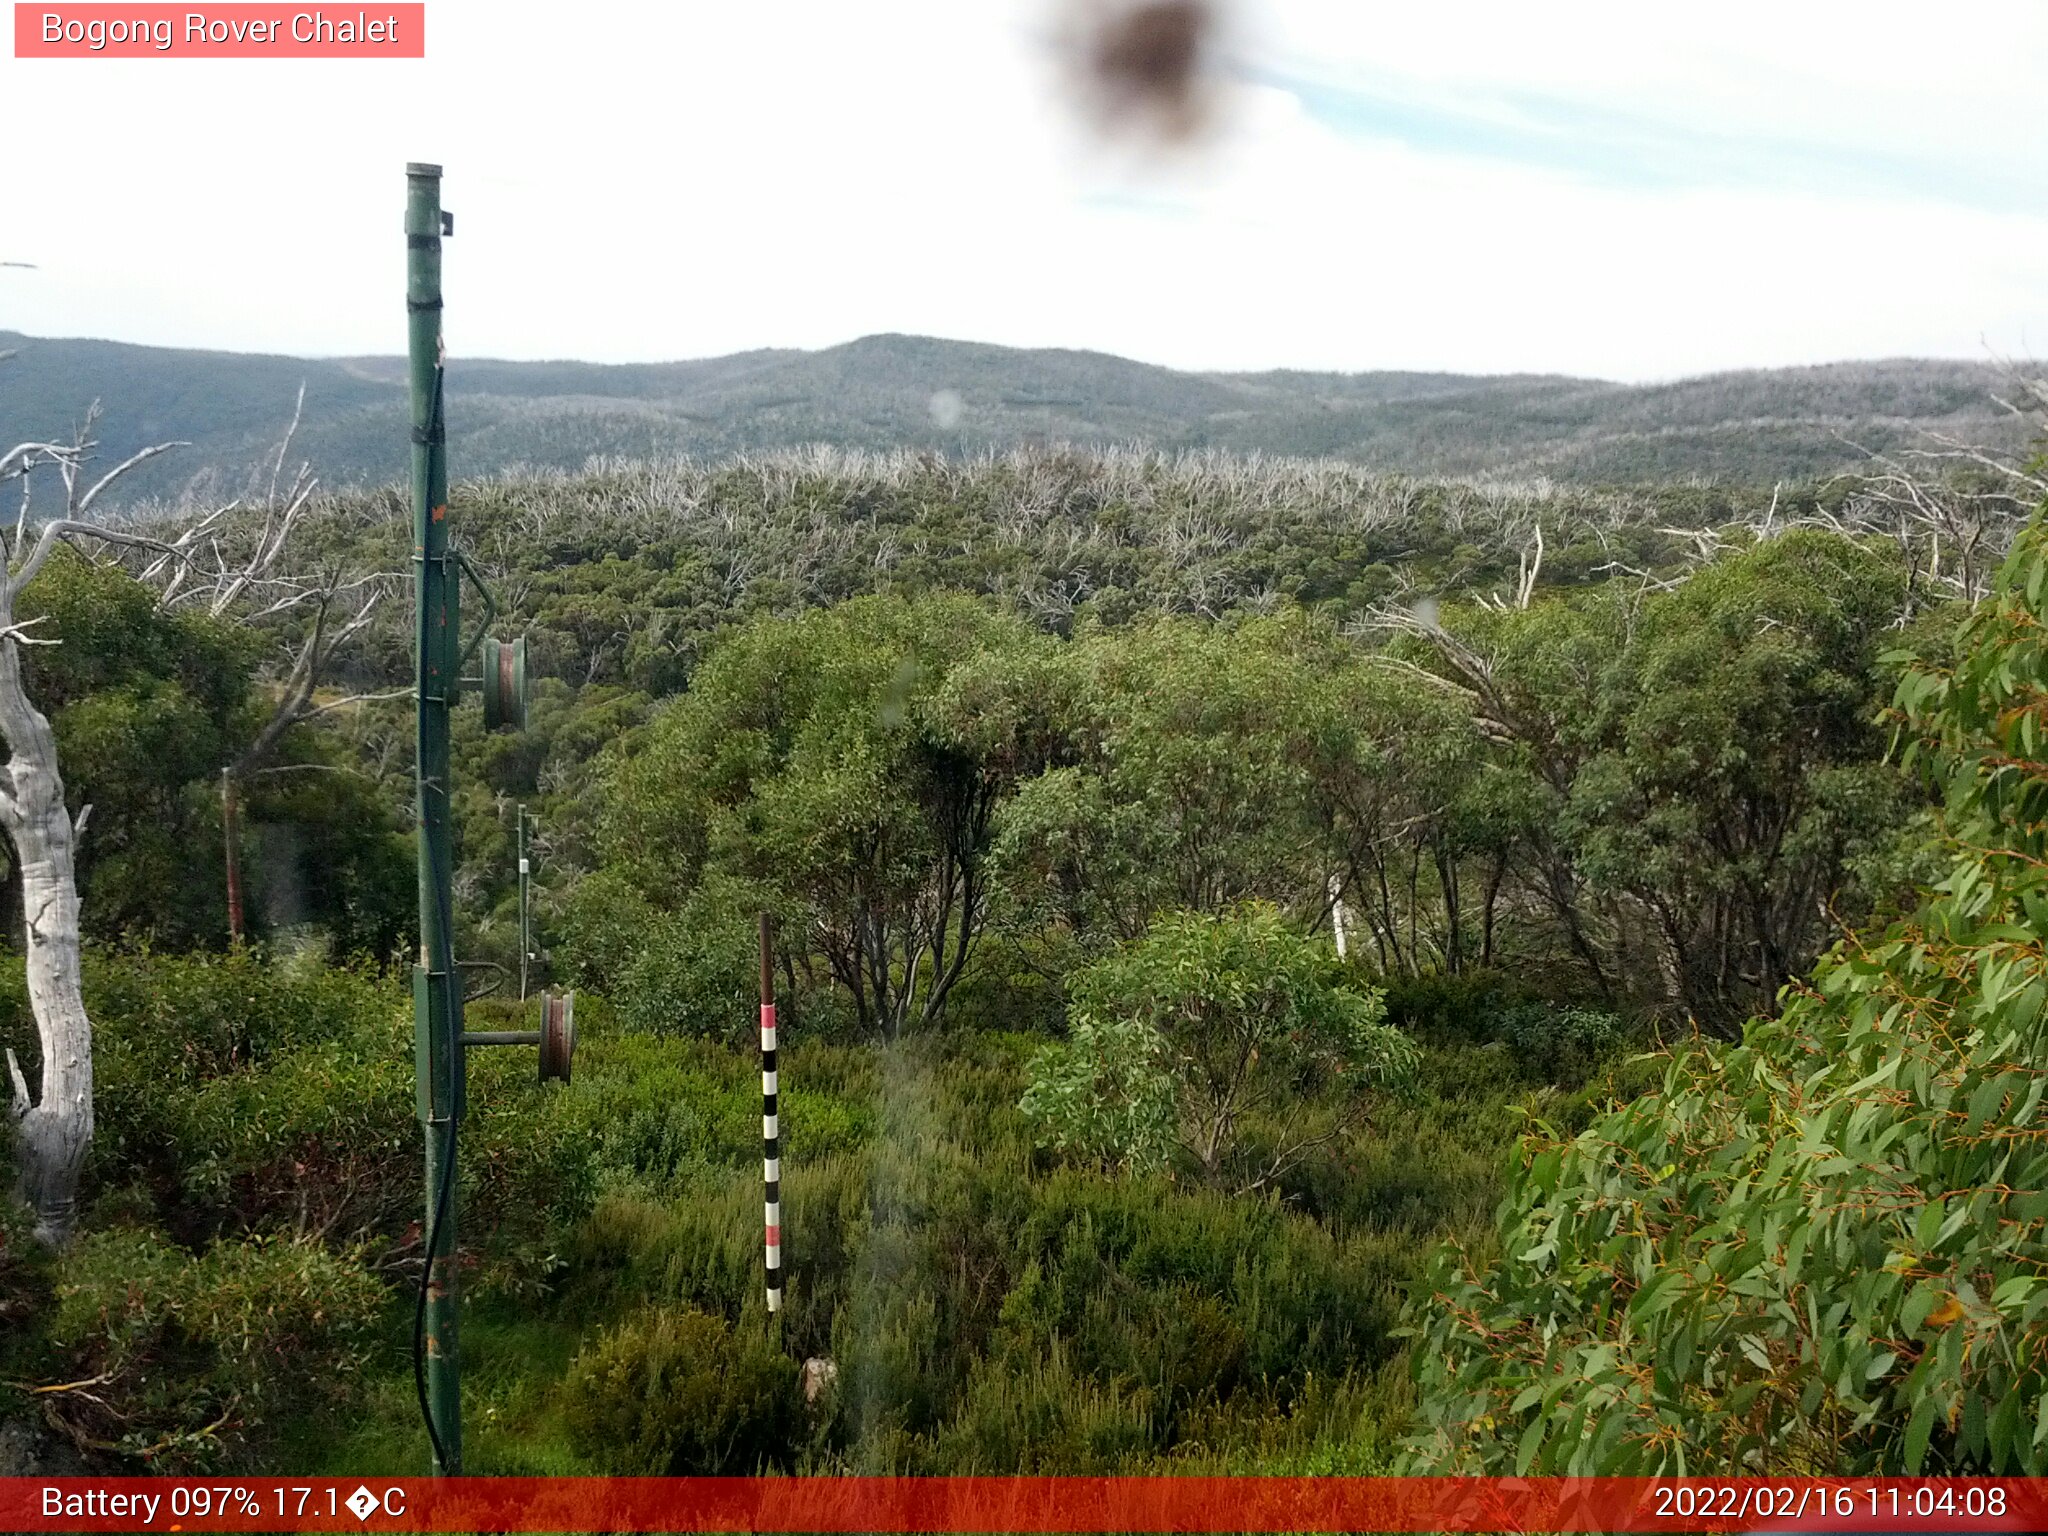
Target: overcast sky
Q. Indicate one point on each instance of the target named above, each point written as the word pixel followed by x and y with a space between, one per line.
pixel 1631 190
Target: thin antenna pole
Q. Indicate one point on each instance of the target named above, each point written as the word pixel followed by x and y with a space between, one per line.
pixel 525 941
pixel 231 829
pixel 771 1130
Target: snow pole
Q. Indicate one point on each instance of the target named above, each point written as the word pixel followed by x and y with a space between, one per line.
pixel 771 1137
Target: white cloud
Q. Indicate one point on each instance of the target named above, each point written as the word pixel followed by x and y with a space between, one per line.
pixel 637 182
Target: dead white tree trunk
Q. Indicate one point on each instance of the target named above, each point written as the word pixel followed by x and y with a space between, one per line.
pixel 53 1129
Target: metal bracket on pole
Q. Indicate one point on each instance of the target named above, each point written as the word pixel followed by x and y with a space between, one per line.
pixel 483 590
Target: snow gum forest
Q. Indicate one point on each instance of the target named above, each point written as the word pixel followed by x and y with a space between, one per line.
pixel 1282 968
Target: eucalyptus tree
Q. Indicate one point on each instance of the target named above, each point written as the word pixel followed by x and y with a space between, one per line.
pixel 252 563
pixel 1406 796
pixel 156 652
pixel 1821 1249
pixel 1704 759
pixel 846 765
pixel 1186 781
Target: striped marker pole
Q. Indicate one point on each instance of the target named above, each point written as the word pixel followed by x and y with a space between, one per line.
pixel 771 1139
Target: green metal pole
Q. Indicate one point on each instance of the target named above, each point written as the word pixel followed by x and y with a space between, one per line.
pixel 437 995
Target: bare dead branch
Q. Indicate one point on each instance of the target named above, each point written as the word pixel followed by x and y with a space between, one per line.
pixel 64 529
pixel 142 457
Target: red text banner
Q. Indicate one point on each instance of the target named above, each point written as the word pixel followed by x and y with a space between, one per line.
pixel 1024 1504
pixel 377 31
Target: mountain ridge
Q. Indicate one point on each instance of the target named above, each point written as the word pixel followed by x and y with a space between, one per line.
pixel 891 390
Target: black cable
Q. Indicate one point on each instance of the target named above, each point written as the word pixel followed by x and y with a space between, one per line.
pixel 447 1182
pixel 419 1317
pixel 442 1198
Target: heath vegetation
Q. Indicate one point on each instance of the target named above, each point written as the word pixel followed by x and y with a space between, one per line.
pixel 1284 968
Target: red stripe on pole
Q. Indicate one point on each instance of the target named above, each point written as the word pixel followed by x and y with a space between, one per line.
pixel 774 1235
pixel 1026 1504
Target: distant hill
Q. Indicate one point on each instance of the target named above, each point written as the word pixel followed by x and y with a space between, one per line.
pixel 1751 428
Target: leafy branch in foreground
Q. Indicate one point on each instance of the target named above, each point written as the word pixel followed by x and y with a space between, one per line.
pixel 1825 1249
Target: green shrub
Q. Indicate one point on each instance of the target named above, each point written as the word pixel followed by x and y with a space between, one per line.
pixel 672 1392
pixel 691 971
pixel 184 1348
pixel 1008 985
pixel 1559 1044
pixel 1127 1272
pixel 1038 1416
pixel 1548 1040
pixel 1183 1037
pixel 164 1026
pixel 1106 1094
pixel 1454 1006
pixel 320 1135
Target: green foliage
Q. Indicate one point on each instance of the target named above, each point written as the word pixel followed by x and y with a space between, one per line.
pixel 1456 1006
pixel 1106 1093
pixel 981 1305
pixel 690 970
pixel 980 1302
pixel 1559 1044
pixel 243 1092
pixel 1179 781
pixel 1707 766
pixel 672 1392
pixel 831 765
pixel 184 1348
pixel 1044 1417
pixel 146 706
pixel 329 856
pixel 972 811
pixel 1204 1024
pixel 1820 1250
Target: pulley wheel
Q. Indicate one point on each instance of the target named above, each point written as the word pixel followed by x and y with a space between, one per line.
pixel 504 684
pixel 557 1035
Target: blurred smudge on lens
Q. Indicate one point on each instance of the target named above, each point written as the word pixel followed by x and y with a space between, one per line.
pixel 1146 69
